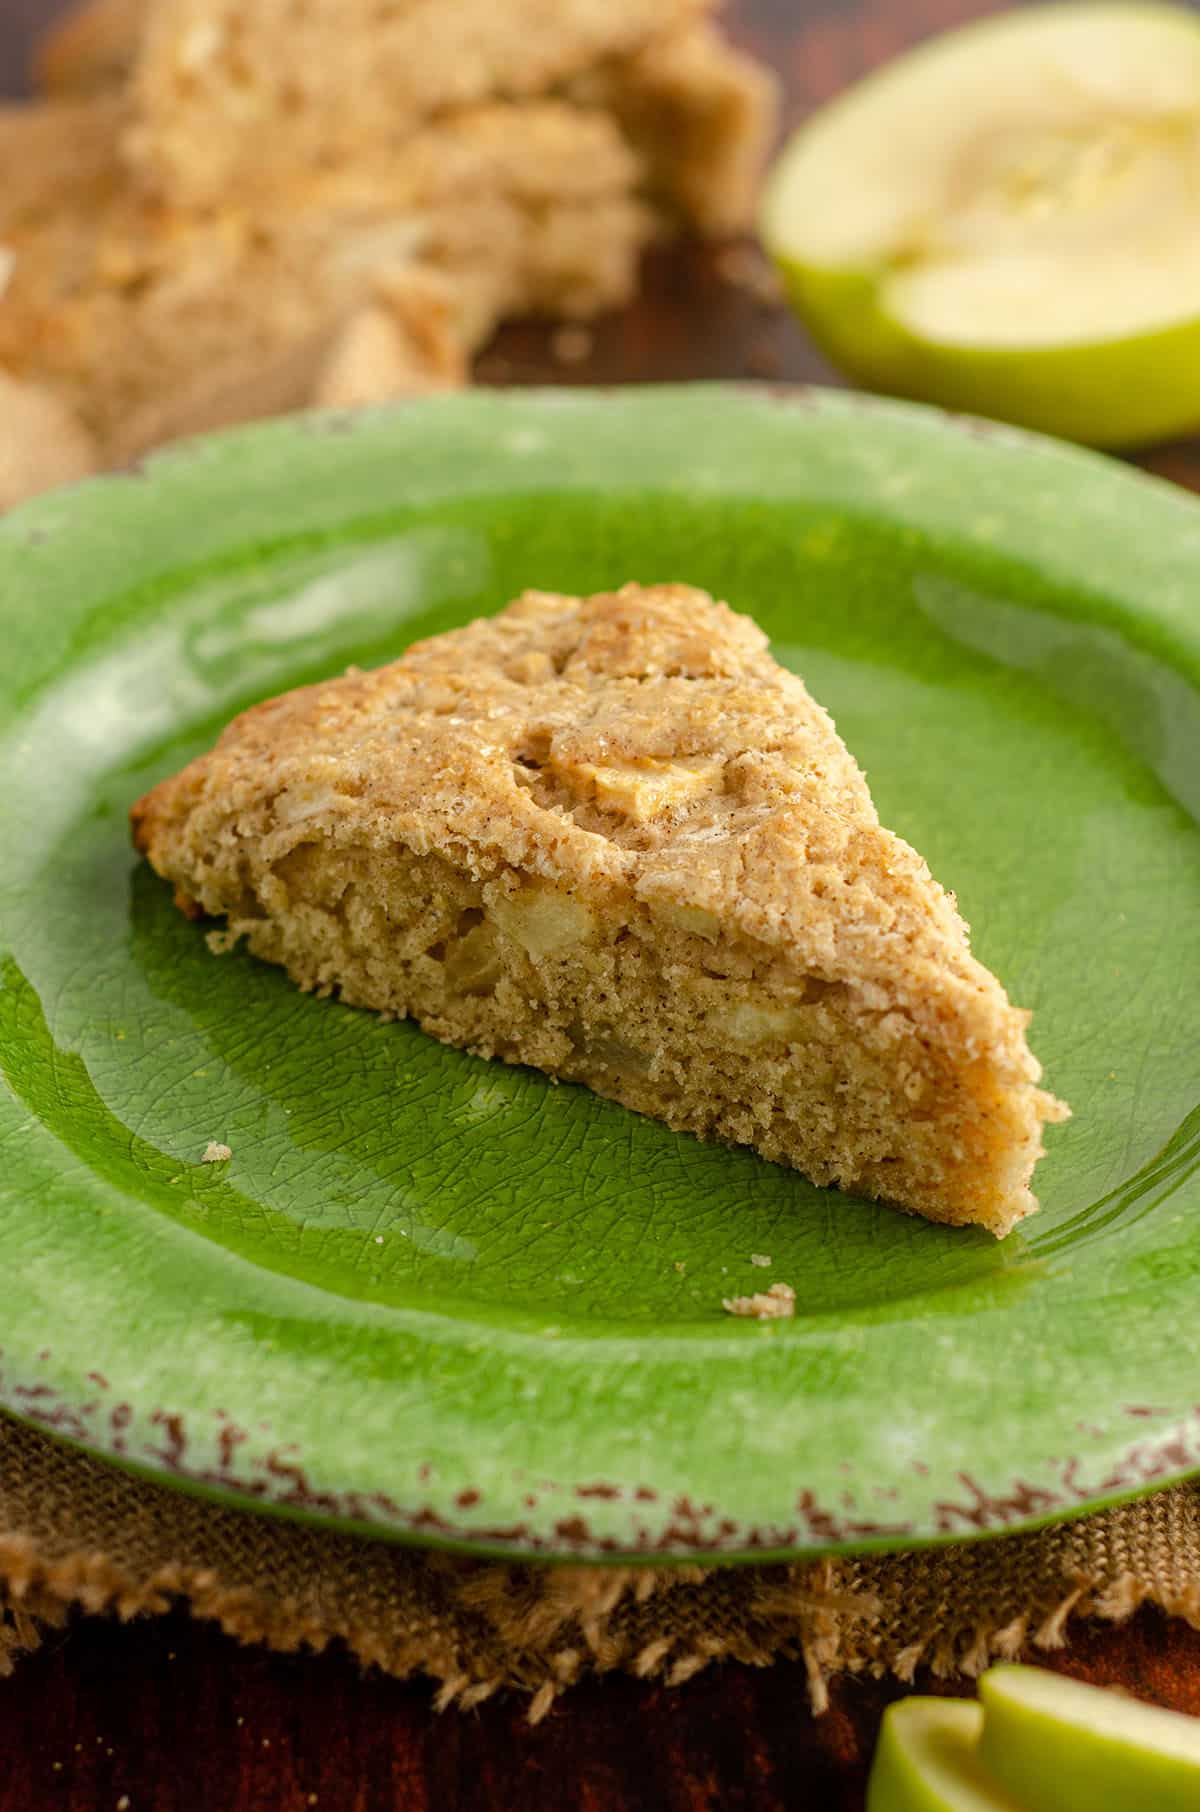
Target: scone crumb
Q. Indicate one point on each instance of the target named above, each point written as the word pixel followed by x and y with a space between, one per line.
pixel 762 1260
pixel 572 344
pixel 775 1304
pixel 216 1154
pixel 746 269
pixel 764 360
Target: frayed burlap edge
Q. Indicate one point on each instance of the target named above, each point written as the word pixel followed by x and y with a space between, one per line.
pixel 77 1535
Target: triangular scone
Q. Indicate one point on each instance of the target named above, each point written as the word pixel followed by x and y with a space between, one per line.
pixel 611 838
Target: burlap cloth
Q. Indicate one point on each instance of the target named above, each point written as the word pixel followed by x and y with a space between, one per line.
pixel 76 1534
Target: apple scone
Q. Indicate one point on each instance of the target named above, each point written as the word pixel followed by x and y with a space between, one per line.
pixel 610 837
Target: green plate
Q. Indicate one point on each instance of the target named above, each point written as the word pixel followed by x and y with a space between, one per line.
pixel 443 1299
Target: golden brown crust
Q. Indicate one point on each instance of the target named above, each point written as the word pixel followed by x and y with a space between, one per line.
pixel 623 806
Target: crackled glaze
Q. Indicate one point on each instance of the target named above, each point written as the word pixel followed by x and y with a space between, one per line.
pixel 449 1302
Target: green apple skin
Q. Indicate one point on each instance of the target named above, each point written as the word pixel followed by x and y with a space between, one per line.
pixel 1117 394
pixel 1060 1746
pixel 926 1761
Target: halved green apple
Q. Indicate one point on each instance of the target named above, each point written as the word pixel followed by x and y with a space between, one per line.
pixel 927 1762
pixel 1007 221
pixel 1057 1745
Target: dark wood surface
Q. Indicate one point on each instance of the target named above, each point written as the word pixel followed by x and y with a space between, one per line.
pixel 176 1718
pixel 167 1716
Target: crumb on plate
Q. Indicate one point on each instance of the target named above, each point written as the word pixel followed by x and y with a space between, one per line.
pixel 572 344
pixel 774 1304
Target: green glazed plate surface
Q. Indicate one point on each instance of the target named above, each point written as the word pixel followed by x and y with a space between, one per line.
pixel 445 1300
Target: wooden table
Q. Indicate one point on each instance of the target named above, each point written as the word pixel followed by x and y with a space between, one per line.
pixel 166 1716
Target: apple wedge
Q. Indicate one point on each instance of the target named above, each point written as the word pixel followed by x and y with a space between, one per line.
pixel 1057 1745
pixel 1006 221
pixel 926 1761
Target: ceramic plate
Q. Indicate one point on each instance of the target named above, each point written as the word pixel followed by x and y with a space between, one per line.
pixel 443 1299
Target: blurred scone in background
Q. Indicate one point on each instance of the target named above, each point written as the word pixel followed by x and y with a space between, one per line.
pixel 215 210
